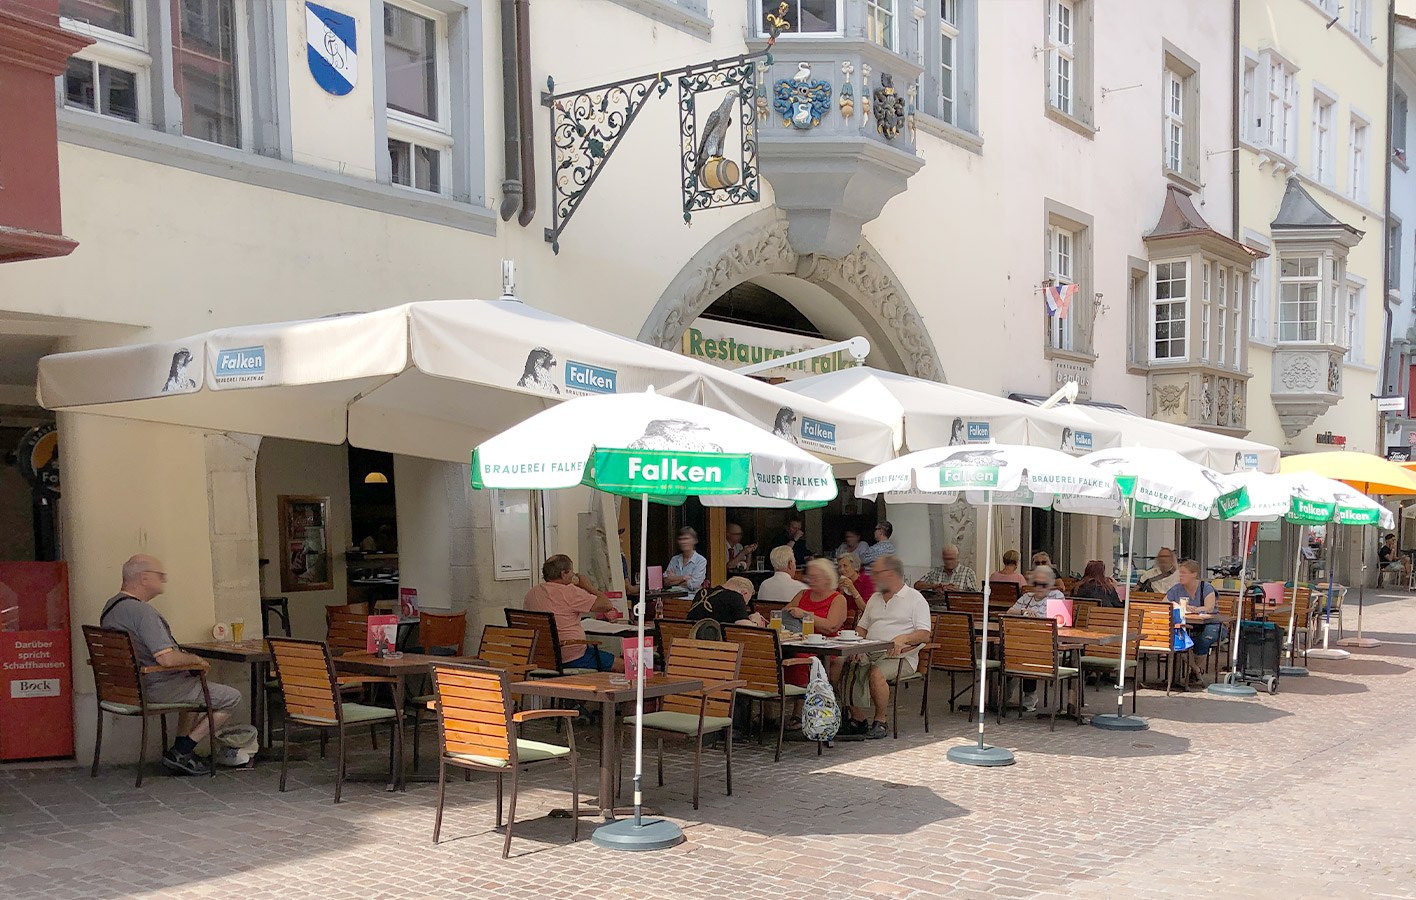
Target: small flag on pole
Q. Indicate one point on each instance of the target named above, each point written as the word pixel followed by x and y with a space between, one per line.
pixel 1059 299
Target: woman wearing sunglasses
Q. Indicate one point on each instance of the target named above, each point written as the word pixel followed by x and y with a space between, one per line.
pixel 1042 582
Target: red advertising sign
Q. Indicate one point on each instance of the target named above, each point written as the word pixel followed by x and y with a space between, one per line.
pixel 36 678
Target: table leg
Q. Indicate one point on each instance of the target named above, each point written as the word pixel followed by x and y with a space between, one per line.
pixel 609 758
pixel 258 680
pixel 398 697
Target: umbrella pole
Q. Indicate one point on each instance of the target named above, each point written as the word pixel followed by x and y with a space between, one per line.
pixel 639 833
pixel 982 754
pixel 1120 721
pixel 1360 641
pixel 1330 552
pixel 1292 669
pixel 1232 686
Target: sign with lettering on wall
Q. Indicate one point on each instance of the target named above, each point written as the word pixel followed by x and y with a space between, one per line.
pixel 332 49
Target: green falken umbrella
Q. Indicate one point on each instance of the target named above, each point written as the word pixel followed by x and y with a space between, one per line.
pixel 653 448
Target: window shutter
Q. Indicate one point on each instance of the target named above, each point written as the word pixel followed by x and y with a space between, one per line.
pixel 1190 91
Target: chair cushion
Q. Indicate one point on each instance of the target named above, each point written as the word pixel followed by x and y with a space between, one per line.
pixel 681 723
pixel 572 670
pixel 543 673
pixel 420 700
pixel 1104 662
pixel 526 752
pixel 1066 671
pixel 354 714
pixel 128 709
pixel 792 690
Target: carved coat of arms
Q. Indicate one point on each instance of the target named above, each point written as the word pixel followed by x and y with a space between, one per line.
pixel 801 101
pixel 889 108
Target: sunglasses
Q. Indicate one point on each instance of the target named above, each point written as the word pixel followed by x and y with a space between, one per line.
pixel 1039 584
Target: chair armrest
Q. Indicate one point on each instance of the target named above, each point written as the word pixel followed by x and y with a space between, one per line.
pixel 709 690
pixel 796 661
pixel 520 669
pixel 188 667
pixel 532 714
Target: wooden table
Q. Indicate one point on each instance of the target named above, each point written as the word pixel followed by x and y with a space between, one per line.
pixel 834 648
pixel 251 652
pixel 598 688
pixel 364 663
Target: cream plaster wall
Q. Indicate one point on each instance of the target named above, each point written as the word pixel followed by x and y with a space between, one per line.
pixel 329 132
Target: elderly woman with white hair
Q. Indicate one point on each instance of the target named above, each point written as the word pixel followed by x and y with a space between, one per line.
pixel 1042 581
pixel 822 599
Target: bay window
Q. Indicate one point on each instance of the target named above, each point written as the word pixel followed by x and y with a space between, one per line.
pixel 1205 273
pixel 1299 293
pixel 803 16
pixel 1169 310
pixel 880 23
pixel 1222 309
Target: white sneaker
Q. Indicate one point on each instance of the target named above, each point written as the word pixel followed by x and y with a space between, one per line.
pixel 1030 703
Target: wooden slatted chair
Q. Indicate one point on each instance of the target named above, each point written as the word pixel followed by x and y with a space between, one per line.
pixel 666 631
pixel 761 673
pixel 691 716
pixel 442 634
pixel 346 632
pixel 479 731
pixel 972 603
pixel 675 607
pixel 312 698
pixel 1029 648
pixel 956 652
pixel 765 608
pixel 1066 585
pixel 1302 599
pixel 502 647
pixel 1003 594
pixel 1156 631
pixel 1104 658
pixel 118 688
pixel 1081 611
pixel 547 655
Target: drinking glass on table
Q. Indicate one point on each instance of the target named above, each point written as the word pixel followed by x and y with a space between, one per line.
pixel 808 624
pixel 238 629
pixel 775 623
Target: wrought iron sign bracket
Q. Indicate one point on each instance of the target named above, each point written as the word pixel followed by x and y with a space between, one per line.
pixel 587 125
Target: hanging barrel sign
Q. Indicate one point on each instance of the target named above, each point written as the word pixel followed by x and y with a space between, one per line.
pixel 37 458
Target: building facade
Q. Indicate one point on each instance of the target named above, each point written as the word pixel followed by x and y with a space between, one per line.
pixel 929 174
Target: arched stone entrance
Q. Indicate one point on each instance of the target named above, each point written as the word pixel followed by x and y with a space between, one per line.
pixel 757 247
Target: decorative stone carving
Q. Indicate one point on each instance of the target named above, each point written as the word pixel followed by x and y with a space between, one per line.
pixel 889 108
pixel 1300 374
pixel 1169 397
pixel 1238 405
pixel 1207 400
pixel 861 278
pixel 1221 402
pixel 1334 380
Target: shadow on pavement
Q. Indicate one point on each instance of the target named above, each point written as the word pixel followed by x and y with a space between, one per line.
pixel 1363 665
pixel 835 799
pixel 1317 685
pixel 1205 709
pixel 1099 744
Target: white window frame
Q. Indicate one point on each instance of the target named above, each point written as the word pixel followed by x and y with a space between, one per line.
pixel 1252 122
pixel 771 5
pixel 1355 322
pixel 245 120
pixel 875 11
pixel 1062 246
pixel 1184 318
pixel 1281 133
pixel 1236 313
pixel 1174 149
pixel 1206 276
pixel 416 130
pixel 1222 338
pixel 1359 18
pixel 1318 302
pixel 119 51
pixel 1359 137
pixel 1324 115
pixel 949 31
pixel 1062 54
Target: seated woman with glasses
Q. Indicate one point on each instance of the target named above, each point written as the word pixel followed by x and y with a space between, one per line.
pixel 1191 596
pixel 1042 581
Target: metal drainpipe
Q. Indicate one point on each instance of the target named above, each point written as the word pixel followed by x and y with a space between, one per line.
pixel 511 129
pixel 1387 381
pixel 527 132
pixel 1235 125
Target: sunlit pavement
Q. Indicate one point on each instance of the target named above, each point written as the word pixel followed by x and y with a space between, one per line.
pixel 1306 793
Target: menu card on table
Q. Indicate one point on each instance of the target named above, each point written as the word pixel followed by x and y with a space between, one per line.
pixel 383 634
pixel 638 659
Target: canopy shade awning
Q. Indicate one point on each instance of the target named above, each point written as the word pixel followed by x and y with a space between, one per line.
pixel 1219 452
pixel 430 379
pixel 928 414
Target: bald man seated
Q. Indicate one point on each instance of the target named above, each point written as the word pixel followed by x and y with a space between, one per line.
pixel 131 610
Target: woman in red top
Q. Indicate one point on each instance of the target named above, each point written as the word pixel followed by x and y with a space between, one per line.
pixel 856 585
pixel 827 604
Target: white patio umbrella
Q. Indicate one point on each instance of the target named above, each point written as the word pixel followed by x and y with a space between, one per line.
pixel 930 414
pixel 1219 452
pixel 650 447
pixel 426 379
pixel 1303 499
pixel 985 475
pixel 1157 484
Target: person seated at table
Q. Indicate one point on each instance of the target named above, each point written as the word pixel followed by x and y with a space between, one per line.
pixel 783 585
pixel 568 596
pixel 896 613
pixel 730 604
pixel 1042 581
pixel 1195 597
pixel 856 585
pixel 822 599
pixel 950 575
pixel 1393 560
pixel 739 554
pixel 1040 558
pixel 851 546
pixel 1097 585
pixel 688 569
pixel 1010 572
pixel 793 537
pixel 131 610
pixel 883 545
pixel 1162 576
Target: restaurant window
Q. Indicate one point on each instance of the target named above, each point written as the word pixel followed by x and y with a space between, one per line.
pixel 1323 107
pixel 1169 310
pixel 880 23
pixel 417 84
pixel 1357 148
pixel 803 16
pixel 110 76
pixel 1299 290
pixel 205 73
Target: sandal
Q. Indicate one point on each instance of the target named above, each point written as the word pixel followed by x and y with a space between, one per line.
pixel 794 723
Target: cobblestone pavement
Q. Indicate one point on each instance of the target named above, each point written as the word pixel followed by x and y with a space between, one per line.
pixel 1303 794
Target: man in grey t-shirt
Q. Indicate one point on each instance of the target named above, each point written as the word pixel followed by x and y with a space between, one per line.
pixel 131 610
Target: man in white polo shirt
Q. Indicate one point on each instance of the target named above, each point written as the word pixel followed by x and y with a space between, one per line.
pixel 897 613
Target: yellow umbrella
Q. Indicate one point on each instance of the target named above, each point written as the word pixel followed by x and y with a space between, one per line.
pixel 1364 472
pixel 1367 473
